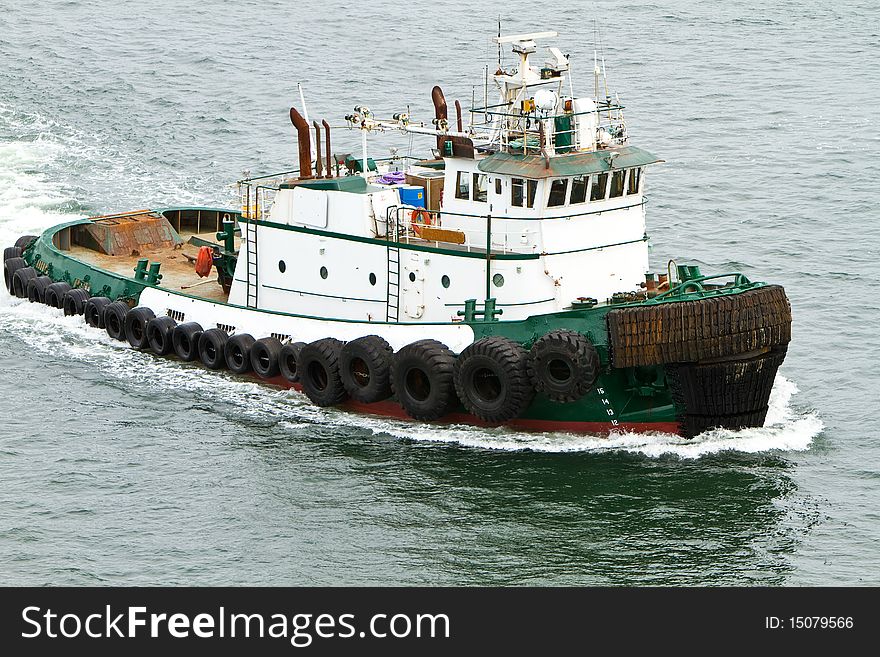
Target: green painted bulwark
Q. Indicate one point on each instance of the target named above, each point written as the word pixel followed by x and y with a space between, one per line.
pixel 573 164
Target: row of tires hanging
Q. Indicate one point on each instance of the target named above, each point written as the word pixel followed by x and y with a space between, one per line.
pixel 495 378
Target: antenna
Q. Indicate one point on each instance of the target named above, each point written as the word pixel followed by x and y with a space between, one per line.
pixel 302 99
pixel 499 42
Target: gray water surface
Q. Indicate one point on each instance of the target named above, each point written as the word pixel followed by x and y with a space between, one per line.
pixel 120 468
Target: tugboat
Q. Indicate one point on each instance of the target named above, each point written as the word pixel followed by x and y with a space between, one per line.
pixel 501 280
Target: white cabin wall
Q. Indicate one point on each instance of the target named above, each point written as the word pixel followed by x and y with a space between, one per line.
pixel 598 274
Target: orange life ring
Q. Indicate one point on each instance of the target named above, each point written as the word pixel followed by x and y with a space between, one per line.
pixel 420 218
pixel 204 261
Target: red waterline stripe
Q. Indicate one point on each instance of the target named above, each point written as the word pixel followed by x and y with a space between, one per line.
pixel 395 410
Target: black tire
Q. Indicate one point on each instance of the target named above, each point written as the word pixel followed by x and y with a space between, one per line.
pixel 185 340
pixel 20 280
pixel 319 372
pixel 114 319
pixel 9 268
pixel 563 365
pixel 24 242
pixel 265 354
pixel 725 388
pixel 74 301
pixel 94 312
pixel 159 330
pixel 691 331
pixel 422 379
pixel 11 252
pixel 492 379
pixel 36 289
pixel 365 369
pixel 288 361
pixel 238 353
pixel 691 426
pixel 136 326
pixel 54 296
pixel 212 348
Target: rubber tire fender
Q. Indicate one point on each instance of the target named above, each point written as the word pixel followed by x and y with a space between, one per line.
pixel 185 341
pixel 238 353
pixel 212 348
pixel 36 289
pixel 492 379
pixel 20 280
pixel 319 372
pixel 563 365
pixel 136 326
pixel 11 252
pixel 9 268
pixel 365 368
pixel 74 301
pixel 93 315
pixel 54 295
pixel 114 319
pixel 265 355
pixel 288 361
pixel 159 330
pixel 422 378
pixel 23 242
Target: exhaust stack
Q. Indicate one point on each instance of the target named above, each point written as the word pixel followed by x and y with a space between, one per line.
pixel 318 169
pixel 440 113
pixel 305 144
pixel 329 165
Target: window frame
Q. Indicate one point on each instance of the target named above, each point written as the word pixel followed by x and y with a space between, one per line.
pixel 475 187
pixel 616 173
pixel 466 175
pixel 565 192
pixel 605 191
pixel 639 174
pixel 587 187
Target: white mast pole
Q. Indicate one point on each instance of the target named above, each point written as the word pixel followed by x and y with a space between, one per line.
pixel 364 146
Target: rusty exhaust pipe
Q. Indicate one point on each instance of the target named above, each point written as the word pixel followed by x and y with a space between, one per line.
pixel 318 168
pixel 440 112
pixel 327 130
pixel 458 114
pixel 305 143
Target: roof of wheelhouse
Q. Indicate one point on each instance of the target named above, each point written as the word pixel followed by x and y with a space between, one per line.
pixel 573 164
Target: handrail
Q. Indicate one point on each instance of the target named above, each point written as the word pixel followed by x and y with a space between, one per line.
pixel 740 280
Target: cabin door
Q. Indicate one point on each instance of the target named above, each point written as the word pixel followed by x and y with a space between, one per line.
pixel 413 287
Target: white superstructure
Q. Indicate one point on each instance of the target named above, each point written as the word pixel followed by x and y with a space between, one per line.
pixel 541 204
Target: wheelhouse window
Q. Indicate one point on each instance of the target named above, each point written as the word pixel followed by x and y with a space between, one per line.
pixel 635 180
pixel 579 189
pixel 600 183
pixel 516 192
pixel 558 190
pixel 532 189
pixel 523 190
pixel 462 186
pixel 481 187
pixel 498 187
pixel 617 179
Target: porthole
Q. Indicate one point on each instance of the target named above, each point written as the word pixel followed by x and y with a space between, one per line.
pixel 372 279
pixel 281 266
pixel 498 280
pixel 444 281
pixel 412 277
pixel 323 272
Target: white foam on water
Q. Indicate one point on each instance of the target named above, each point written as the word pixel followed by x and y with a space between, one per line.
pixel 26 192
